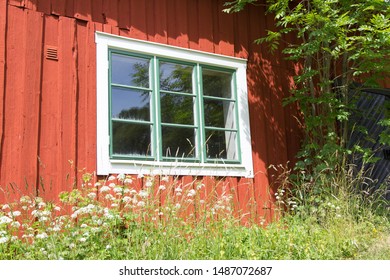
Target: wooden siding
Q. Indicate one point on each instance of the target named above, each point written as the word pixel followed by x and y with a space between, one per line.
pixel 48 106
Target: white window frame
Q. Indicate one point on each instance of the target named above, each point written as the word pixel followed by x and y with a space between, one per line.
pixel 107 165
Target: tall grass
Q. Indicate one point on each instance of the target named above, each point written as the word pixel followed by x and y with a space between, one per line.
pixel 113 219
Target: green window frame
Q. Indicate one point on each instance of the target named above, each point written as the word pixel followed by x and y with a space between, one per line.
pixel 213 123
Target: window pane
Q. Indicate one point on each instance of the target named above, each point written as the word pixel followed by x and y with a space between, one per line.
pixel 218 113
pixel 221 144
pixel 177 108
pixel 130 139
pixel 130 104
pixel 216 83
pixel 129 71
pixel 178 142
pixel 175 77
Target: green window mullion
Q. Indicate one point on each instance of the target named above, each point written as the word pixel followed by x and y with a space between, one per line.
pixel 156 135
pixel 200 111
pixel 235 94
pixel 110 102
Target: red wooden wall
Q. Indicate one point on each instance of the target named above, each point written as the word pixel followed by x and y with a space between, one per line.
pixel 47 107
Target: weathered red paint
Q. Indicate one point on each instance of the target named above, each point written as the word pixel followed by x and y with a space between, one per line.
pixel 48 111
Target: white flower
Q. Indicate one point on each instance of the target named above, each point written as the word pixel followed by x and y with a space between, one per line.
pixel 5 207
pixel 112 185
pixel 42 235
pixel 72 245
pixel 111 178
pixel 140 176
pixel 4 239
pixel 177 206
pixel 98 184
pixel 41 204
pixel 143 194
pixel 128 181
pixel 5 220
pixel 121 177
pixel 141 204
pixel 126 199
pixel 191 193
pixel 165 179
pixel 109 197
pixel 114 205
pixel 14 238
pixel 199 186
pixel 108 247
pixel 162 188
pixel 56 228
pixel 15 224
pixel 16 213
pixel 24 207
pixel 91 195
pixel 83 226
pixel 149 183
pixel 83 239
pixel 118 190
pixel 105 189
pixel 178 189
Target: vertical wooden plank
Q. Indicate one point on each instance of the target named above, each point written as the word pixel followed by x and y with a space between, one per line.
pixel 67 84
pixel 138 20
pixel 82 10
pixel 97 13
pixel 177 28
pixel 49 149
pixel 241 40
pixel 150 25
pixel 58 7
pixel 3 58
pixel 124 14
pixel 205 26
pixel 160 21
pixel 193 24
pixel 44 6
pixel 110 11
pixel 21 107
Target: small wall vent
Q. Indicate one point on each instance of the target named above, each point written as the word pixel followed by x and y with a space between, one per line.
pixel 51 53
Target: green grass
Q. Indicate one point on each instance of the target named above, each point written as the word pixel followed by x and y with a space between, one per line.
pixel 129 224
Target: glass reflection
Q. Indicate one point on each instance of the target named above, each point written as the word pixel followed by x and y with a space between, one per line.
pixel 178 142
pixel 130 104
pixel 218 113
pixel 221 145
pixel 177 108
pixel 175 77
pixel 129 71
pixel 216 83
pixel 130 139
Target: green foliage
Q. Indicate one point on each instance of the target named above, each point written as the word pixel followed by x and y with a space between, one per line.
pixel 114 219
pixel 340 43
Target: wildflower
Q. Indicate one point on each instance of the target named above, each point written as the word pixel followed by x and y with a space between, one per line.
pixel 165 179
pixel 199 186
pixel 160 213
pixel 111 178
pixel 5 220
pixel 128 181
pixel 83 226
pixel 4 239
pixel 109 197
pixel 201 201
pixel 126 199
pixel 72 245
pixel 16 213
pixel 42 235
pixel 114 205
pixel 5 207
pixel 143 194
pixel 83 239
pixel 141 204
pixel 108 247
pixel 177 206
pixel 14 238
pixel 162 188
pixel 121 177
pixel 41 204
pixel 178 189
pixel 112 185
pixel 149 183
pixel 118 190
pixel 15 224
pixel 191 193
pixel 56 228
pixel 98 184
pixel 91 195
pixel 140 176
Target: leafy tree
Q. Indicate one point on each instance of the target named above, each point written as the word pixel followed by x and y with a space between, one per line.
pixel 342 44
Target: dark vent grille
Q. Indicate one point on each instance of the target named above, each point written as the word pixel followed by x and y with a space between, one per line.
pixel 51 53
